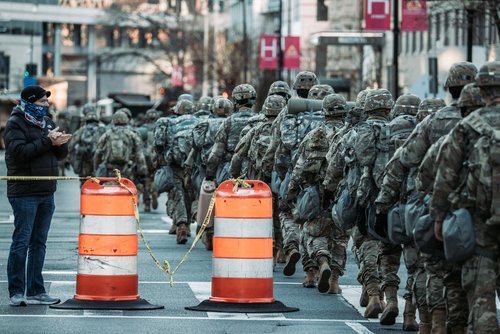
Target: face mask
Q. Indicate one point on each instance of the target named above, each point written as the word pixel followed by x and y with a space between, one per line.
pixel 34 110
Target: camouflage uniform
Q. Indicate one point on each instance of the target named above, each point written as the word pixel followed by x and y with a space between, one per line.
pixel 179 204
pixel 251 148
pixel 82 149
pixel 324 244
pixel 149 192
pixel 425 134
pixel 396 186
pixel 136 163
pixel 467 178
pixel 228 135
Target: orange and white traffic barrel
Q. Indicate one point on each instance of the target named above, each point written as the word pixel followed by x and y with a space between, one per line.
pixel 242 260
pixel 107 248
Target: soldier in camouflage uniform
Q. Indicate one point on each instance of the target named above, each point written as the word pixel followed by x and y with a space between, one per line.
pixel 429 106
pixel 413 151
pixel 204 107
pixel 82 146
pixel 324 244
pixel 395 189
pixel 203 140
pixel 290 229
pixel 251 148
pixel 149 193
pixel 179 144
pixel 468 177
pixel 120 148
pixel 227 137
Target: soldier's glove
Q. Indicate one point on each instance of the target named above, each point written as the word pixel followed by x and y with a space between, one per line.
pixel 381 225
pixel 209 178
pixel 284 205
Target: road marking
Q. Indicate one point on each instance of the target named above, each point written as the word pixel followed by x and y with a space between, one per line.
pixel 154 231
pixel 58 272
pixel 105 316
pixel 358 328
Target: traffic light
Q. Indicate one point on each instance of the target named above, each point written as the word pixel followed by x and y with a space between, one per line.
pixel 30 70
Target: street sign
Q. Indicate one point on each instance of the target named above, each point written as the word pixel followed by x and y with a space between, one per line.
pixel 268 58
pixel 292 52
pixel 378 14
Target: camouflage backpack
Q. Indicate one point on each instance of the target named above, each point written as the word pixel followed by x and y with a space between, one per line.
pixel 260 142
pixel 119 146
pixel 294 127
pixel 182 134
pixel 204 135
pixel 484 171
pixel 236 122
pixel 85 148
pixel 373 151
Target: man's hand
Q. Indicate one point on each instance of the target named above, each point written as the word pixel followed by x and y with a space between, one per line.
pixel 438 230
pixel 58 138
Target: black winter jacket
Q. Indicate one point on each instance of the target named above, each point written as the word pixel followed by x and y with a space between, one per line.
pixel 29 152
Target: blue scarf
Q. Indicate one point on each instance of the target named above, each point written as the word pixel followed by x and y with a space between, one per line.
pixel 34 113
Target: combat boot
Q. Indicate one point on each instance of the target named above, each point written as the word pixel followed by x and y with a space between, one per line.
pixel 425 321
pixel 280 257
pixel 291 260
pixel 373 308
pixel 391 310
pixel 438 321
pixel 324 274
pixel 173 229
pixel 155 200
pixel 147 207
pixel 208 240
pixel 310 279
pixel 363 299
pixel 182 236
pixel 334 283
pixel 409 322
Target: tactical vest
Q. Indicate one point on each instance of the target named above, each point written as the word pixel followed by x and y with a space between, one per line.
pixel 181 142
pixel 237 122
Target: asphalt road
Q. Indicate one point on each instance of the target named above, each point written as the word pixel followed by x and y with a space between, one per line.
pixel 319 313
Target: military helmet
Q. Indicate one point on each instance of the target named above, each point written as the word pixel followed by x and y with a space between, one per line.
pixel 334 105
pixel 378 99
pixel 188 97
pixel 243 92
pixel 120 118
pixel 489 74
pixel 280 88
pixel 88 108
pixel 91 117
pixel 305 80
pixel 205 103
pixel 184 107
pixel 361 98
pixel 429 106
pixel 461 74
pixel 273 105
pixel 470 97
pixel 406 104
pixel 127 112
pixel 318 92
pixel 222 107
pixel 152 114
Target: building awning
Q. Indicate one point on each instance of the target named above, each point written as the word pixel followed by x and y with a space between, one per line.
pixel 348 38
pixel 132 100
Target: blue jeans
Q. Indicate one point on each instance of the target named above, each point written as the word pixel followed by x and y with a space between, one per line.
pixel 32 217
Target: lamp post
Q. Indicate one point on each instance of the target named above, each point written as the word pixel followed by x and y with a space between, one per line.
pixel 245 42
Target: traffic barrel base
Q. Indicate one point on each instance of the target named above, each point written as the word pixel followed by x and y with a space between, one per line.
pixel 210 306
pixel 107 276
pixel 242 259
pixel 130 305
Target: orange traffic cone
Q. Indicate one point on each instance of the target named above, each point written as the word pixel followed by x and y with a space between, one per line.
pixel 107 249
pixel 242 260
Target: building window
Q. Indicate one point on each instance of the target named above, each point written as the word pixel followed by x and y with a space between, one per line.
pixel 420 41
pixel 457 24
pixel 322 11
pixel 413 41
pixel 407 42
pixel 438 26
pixel 429 33
pixel 479 30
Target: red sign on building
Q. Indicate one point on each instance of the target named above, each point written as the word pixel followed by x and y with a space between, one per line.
pixel 378 14
pixel 292 52
pixel 268 46
pixel 414 15
pixel 177 76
